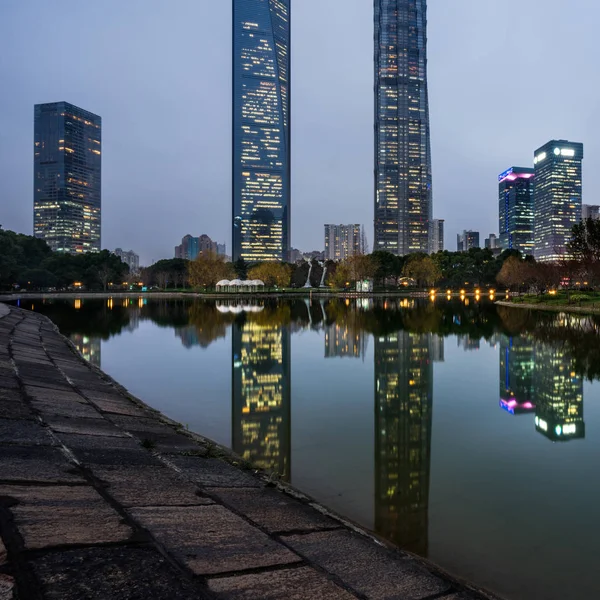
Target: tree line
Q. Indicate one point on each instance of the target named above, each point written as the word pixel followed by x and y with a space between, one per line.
pixel 27 262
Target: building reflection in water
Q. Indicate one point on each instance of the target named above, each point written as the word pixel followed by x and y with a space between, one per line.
pixel 261 411
pixel 403 416
pixel 558 394
pixel 90 348
pixel 517 362
pixel 343 341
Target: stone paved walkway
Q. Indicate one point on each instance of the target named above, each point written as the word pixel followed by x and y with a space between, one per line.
pixel 102 498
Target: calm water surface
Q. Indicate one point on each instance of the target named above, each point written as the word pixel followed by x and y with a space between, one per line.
pixel 460 431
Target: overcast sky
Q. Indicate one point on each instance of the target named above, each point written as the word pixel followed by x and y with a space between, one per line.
pixel 505 77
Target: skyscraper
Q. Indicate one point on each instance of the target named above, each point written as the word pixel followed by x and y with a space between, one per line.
pixel 403 197
pixel 67 177
pixel 261 130
pixel 467 240
pixel 557 197
pixel 515 209
pixel 436 239
pixel 342 241
pixel 590 211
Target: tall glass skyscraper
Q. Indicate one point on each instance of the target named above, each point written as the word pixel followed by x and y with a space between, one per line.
pixel 261 130
pixel 557 197
pixel 403 196
pixel 67 177
pixel 515 209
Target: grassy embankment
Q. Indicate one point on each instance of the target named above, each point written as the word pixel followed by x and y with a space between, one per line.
pixel 573 299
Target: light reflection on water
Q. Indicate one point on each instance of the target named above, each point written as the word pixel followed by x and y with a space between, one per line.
pixel 455 430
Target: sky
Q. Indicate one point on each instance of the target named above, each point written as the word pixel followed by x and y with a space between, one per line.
pixel 505 77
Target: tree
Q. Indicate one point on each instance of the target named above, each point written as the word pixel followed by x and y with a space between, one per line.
pixel 423 269
pixel 361 267
pixel 208 269
pixel 106 275
pixel 341 276
pixel 514 273
pixel 271 274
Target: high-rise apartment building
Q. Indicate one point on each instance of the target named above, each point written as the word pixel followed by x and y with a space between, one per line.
pixel 343 241
pixel 67 177
pixel 129 257
pixel 557 197
pixel 515 209
pixel 403 195
pixel 261 130
pixel 191 247
pixel 436 236
pixel 467 240
pixel 590 211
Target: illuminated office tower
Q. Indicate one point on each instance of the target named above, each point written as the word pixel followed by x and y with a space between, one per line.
pixel 67 177
pixel 515 209
pixel 261 130
pixel 557 197
pixel 558 395
pixel 403 416
pixel 261 396
pixel 403 197
pixel 517 364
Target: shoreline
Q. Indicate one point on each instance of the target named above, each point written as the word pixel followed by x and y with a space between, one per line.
pixel 95 421
pixel 550 308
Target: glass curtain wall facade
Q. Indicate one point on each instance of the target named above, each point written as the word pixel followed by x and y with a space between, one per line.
pixel 515 209
pixel 403 195
pixel 261 130
pixel 557 197
pixel 67 177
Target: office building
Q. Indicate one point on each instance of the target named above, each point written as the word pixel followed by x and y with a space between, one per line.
pixel 467 240
pixel 403 195
pixel 403 421
pixel 491 242
pixel 345 341
pixel 557 197
pixel 436 236
pixel 261 130
pixel 515 209
pixel 222 249
pixel 191 247
pixel 67 198
pixel 343 241
pixel 590 211
pixel 261 410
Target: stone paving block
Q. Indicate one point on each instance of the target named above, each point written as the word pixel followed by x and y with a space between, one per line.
pixel 84 426
pixel 9 383
pixel 14 409
pixel 212 472
pixel 7 587
pixel 274 510
pixel 24 432
pixel 163 437
pixel 30 383
pixel 97 450
pixel 3 554
pixel 50 516
pixel 211 539
pixel 65 408
pixel 148 486
pixel 117 405
pixel 113 574
pixel 11 395
pixel 301 583
pixel 36 463
pixel 373 571
pixel 47 395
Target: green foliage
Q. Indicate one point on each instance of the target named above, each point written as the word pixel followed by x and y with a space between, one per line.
pixel 165 273
pixel 29 262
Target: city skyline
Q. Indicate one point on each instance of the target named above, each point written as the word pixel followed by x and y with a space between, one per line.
pixel 139 170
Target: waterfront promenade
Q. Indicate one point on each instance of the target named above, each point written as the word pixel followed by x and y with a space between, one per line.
pixel 103 498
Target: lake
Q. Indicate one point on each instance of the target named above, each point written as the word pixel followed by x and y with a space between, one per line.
pixel 461 431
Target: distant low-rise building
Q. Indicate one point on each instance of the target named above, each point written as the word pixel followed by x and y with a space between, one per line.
pixel 129 257
pixel 467 240
pixel 491 242
pixel 191 247
pixel 590 211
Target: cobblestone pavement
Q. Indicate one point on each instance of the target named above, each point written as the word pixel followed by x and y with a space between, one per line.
pixel 103 498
